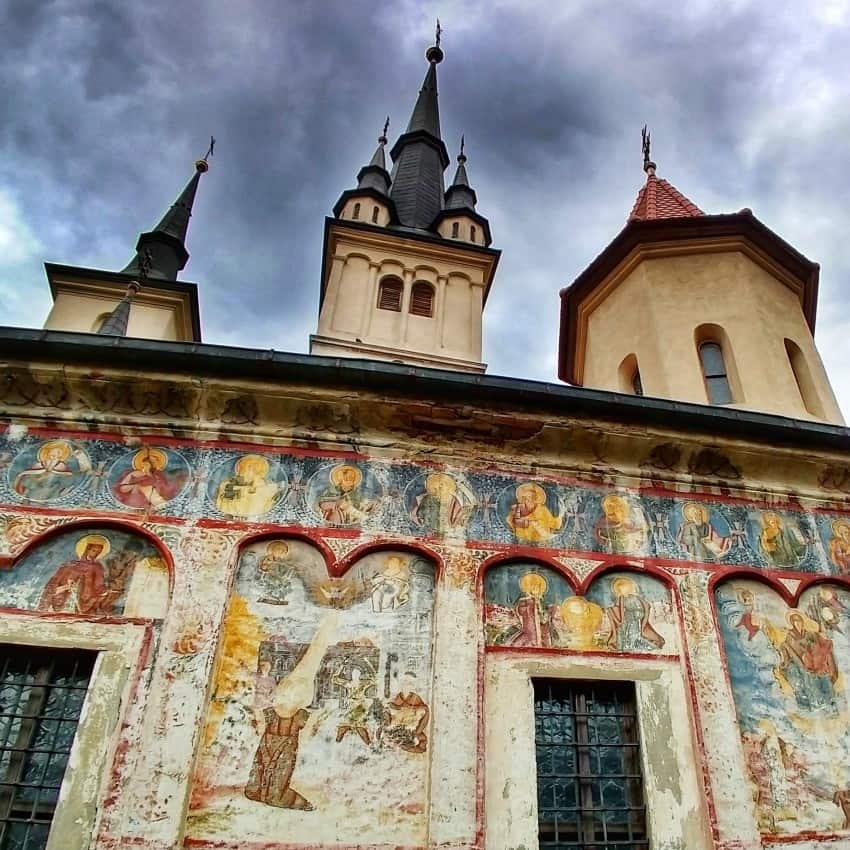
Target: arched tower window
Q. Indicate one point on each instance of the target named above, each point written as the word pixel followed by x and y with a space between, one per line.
pixel 804 379
pixel 374 215
pixel 472 233
pixel 389 294
pixel 356 213
pixel 422 299
pixel 715 373
pixel 630 380
pixel 455 229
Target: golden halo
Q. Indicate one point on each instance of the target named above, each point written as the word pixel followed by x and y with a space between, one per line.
pixel 538 493
pixel 256 463
pixel 614 501
pixel 839 525
pixel 440 484
pixel 157 458
pixel 277 548
pixel 338 472
pixel 533 584
pixel 92 540
pixel 809 624
pixel 624 586
pixel 63 447
pixel 691 508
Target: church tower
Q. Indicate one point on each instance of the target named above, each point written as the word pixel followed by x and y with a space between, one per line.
pixel 407 265
pixel 711 309
pixel 144 299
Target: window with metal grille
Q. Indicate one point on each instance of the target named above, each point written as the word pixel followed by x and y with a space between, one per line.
pixel 455 229
pixel 41 697
pixel 356 211
pixel 422 299
pixel 589 785
pixel 389 294
pixel 714 371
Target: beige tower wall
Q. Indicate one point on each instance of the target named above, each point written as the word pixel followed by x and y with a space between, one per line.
pixel 86 313
pixel 656 312
pixel 352 325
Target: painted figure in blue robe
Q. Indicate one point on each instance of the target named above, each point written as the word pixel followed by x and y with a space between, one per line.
pixel 782 542
pixel 57 470
pixel 698 537
pixel 807 663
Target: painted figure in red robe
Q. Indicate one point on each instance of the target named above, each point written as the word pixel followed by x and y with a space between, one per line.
pixel 79 586
pixel 533 616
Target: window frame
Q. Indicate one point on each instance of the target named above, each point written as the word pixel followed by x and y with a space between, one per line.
pixel 418 287
pixel 384 286
pixel 120 648
pixel 716 378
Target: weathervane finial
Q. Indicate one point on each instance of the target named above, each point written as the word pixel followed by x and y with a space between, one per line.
pixel 646 141
pixel 202 164
pixel 382 139
pixel 461 157
pixel 438 34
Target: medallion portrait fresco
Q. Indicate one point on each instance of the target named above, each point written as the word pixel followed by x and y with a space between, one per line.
pixel 531 605
pixel 780 539
pixel 248 486
pixel 702 533
pixel 148 478
pixel 49 471
pixel 345 494
pixel 322 698
pixel 532 511
pixel 94 572
pixel 439 503
pixel 789 670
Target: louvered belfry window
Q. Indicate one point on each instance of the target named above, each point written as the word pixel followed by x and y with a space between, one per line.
pixel 41 696
pixel 422 299
pixel 389 294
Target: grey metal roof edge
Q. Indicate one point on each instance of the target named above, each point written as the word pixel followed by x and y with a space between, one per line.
pixel 245 363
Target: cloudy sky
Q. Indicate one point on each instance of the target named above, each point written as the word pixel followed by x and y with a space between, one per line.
pixel 104 106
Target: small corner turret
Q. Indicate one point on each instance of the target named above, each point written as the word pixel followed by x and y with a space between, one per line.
pixel 710 309
pixel 458 218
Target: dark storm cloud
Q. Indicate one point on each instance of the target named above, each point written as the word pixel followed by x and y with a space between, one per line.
pixel 105 105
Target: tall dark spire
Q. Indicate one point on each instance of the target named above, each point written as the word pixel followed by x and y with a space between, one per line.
pixel 118 320
pixel 419 155
pixel 167 241
pixel 460 194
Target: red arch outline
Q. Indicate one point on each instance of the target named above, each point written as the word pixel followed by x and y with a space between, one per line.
pixel 523 556
pixel 343 565
pixel 652 570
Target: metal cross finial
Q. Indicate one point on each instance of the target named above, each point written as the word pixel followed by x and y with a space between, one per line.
pixel 461 145
pixel 210 149
pixel 646 140
pixel 439 33
pixel 383 137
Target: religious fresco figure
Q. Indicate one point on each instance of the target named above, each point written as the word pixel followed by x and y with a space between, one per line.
pixel 839 546
pixel 529 518
pixel 622 528
pixel 49 472
pixel 79 586
pixel 343 502
pixel 276 572
pixel 359 691
pixel 390 586
pixel 781 541
pixel 149 483
pixel 807 664
pixel 631 630
pixel 575 624
pixel 698 536
pixel 531 612
pixel 277 752
pixel 248 492
pixel 407 717
pixel 444 506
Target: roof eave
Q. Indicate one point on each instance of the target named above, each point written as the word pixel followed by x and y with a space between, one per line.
pixel 639 232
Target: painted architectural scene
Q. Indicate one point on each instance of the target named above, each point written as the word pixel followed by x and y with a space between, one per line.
pixel 410 499
pixel 321 700
pixel 533 606
pixel 789 668
pixel 94 572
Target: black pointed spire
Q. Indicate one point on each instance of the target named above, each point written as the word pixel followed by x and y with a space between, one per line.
pixel 117 321
pixel 167 241
pixel 460 194
pixel 375 174
pixel 419 155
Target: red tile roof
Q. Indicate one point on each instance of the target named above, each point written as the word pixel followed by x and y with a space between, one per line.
pixel 658 199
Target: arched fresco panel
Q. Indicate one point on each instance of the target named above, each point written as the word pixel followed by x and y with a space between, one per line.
pixel 91 571
pixel 789 670
pixel 321 701
pixel 531 605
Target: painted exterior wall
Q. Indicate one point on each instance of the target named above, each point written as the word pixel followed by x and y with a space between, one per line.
pixel 324 612
pixel 666 300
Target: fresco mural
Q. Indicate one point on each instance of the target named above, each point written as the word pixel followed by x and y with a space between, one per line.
pixel 95 572
pixel 321 700
pixel 484 506
pixel 148 478
pixel 789 670
pixel 344 494
pixel 49 471
pixel 531 605
pixel 248 486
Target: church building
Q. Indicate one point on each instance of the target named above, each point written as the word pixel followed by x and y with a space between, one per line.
pixel 372 598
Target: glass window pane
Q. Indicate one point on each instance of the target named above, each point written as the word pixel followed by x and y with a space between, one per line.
pixel 712 359
pixel 718 390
